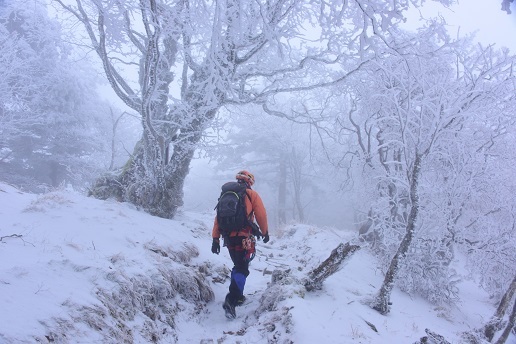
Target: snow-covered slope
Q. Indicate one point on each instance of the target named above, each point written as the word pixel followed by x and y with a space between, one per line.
pixel 78 270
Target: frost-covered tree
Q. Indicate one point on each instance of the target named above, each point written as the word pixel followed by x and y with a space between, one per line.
pixel 194 56
pixel 51 122
pixel 409 120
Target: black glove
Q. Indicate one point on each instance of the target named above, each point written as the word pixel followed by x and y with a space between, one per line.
pixel 215 246
pixel 266 238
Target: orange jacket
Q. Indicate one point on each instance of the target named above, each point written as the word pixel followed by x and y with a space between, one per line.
pixel 253 204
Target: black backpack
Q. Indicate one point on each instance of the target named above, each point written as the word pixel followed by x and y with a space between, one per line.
pixel 231 211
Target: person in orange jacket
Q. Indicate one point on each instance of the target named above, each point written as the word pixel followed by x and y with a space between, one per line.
pixel 240 243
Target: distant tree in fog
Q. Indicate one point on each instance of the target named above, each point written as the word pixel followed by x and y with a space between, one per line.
pixel 51 122
pixel 287 157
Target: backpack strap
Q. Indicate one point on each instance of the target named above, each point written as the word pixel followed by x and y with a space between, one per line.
pixel 251 213
pixel 255 230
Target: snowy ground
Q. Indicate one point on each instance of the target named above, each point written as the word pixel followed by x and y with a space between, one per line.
pixel 79 270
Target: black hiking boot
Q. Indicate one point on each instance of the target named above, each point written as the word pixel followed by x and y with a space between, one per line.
pixel 241 301
pixel 229 308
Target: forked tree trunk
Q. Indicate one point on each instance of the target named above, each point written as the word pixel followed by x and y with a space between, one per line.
pixel 150 181
pixel 382 300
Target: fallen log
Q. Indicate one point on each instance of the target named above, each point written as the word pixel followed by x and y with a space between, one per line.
pixel 432 338
pixel 331 265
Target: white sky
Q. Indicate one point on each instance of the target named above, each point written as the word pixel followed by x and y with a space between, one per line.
pixel 485 17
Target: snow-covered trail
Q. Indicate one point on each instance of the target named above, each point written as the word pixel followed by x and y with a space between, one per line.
pixel 287 251
pixel 336 314
pixel 212 324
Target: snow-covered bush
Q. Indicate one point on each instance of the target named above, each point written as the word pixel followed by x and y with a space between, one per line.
pixel 137 306
pixel 426 271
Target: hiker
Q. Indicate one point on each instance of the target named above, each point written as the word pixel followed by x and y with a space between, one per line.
pixel 237 208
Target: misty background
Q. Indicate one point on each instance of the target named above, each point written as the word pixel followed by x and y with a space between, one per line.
pixel 324 201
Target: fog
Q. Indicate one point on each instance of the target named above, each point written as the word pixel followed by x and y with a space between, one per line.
pixel 335 207
pixel 387 118
pixel 329 208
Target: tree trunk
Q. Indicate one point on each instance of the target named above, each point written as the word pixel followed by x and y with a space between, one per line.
pixel 147 181
pixel 382 301
pixel 282 190
pixel 295 168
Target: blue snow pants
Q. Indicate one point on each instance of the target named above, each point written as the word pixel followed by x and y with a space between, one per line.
pixel 240 269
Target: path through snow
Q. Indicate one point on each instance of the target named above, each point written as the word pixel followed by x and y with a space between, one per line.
pixel 289 250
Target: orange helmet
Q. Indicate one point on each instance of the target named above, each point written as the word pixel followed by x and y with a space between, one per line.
pixel 246 177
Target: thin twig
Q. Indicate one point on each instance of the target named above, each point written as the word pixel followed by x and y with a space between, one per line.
pixel 15 236
pixel 11 236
